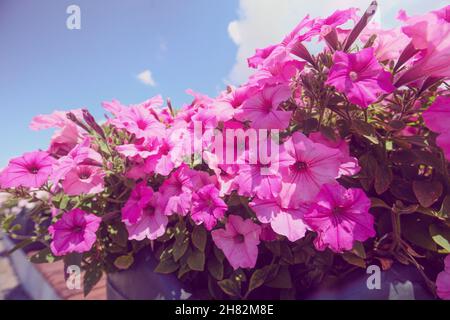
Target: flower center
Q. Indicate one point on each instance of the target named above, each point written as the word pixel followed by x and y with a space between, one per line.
pixel 84 174
pixel 239 238
pixel 300 166
pixel 353 75
pixel 77 229
pixel 33 169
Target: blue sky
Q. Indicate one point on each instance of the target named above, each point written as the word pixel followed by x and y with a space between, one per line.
pixel 197 44
pixel 44 66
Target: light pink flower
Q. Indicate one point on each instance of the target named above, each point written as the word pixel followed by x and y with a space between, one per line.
pixel 349 165
pixel 340 217
pixel 140 121
pixel 437 118
pixel 263 109
pixel 443 281
pixel 207 206
pixel 68 134
pixel 284 221
pixel 359 76
pixel 311 166
pixel 239 242
pixel 84 180
pixel 31 170
pixel 388 44
pixel 82 154
pixel 74 232
pixel 430 34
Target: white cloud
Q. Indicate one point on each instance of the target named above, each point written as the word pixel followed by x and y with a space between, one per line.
pixel 265 22
pixel 146 78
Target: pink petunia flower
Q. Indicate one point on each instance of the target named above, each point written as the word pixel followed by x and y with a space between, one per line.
pixel 74 232
pixel 239 241
pixel 284 221
pixel 82 154
pixel 84 180
pixel 443 281
pixel 349 165
pixel 139 199
pixel 68 134
pixel 340 217
pixel 140 121
pixel 263 110
pixel 176 191
pixel 359 76
pixel 207 206
pixel 143 214
pixel 31 170
pixel 437 118
pixel 152 222
pixel 430 35
pixel 311 166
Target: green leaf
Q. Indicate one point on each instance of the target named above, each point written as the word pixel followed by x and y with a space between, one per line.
pixel 274 247
pixel 64 202
pixel 427 192
pixel 180 247
pixel 383 178
pixel 124 262
pixel 445 208
pixel 167 266
pixel 365 130
pixel 44 256
pixel 196 260
pixel 183 270
pixel 328 133
pixel 354 259
pixel 199 237
pixel 416 230
pixel 215 268
pixel 91 278
pixel 282 280
pixel 118 234
pixel 378 203
pixel 359 250
pixel 441 236
pixel 258 278
pixel 230 287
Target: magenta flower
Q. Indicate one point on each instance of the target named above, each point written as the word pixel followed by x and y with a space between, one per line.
pixel 176 191
pixel 340 217
pixel 263 110
pixel 74 232
pixel 443 281
pixel 143 214
pixel 239 241
pixel 311 166
pixel 437 118
pixel 139 199
pixel 31 170
pixel 285 222
pixel 359 76
pixel 207 206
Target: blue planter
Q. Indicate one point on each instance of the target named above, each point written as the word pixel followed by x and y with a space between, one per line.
pixel 140 282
